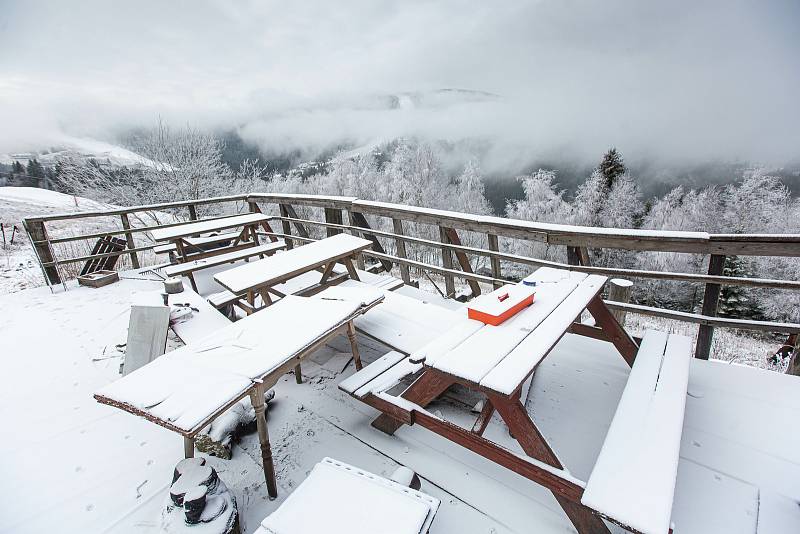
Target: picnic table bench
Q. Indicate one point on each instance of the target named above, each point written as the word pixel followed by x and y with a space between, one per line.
pixel 186 389
pixel 497 361
pixel 261 278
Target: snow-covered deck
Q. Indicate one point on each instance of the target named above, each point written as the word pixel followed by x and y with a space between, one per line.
pixel 72 465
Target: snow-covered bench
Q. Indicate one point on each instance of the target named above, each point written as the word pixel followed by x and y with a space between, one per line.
pixel 183 269
pixel 344 499
pixel 188 388
pixel 200 243
pixel 407 324
pixel 633 480
pixel 308 283
pixel 190 267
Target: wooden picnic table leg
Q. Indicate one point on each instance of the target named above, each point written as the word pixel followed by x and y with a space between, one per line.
pixel 611 327
pixel 351 270
pixel 298 374
pixel 257 400
pixel 182 258
pixel 254 234
pixel 533 443
pixel 423 391
pixel 483 418
pixel 351 335
pixel 188 447
pixel 327 272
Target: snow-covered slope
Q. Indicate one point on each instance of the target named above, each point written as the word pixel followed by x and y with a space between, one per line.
pixel 81 148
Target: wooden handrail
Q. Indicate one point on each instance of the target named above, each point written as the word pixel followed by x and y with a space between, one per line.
pixel 574 237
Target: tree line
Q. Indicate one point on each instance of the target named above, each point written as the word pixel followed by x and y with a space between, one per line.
pixel 188 164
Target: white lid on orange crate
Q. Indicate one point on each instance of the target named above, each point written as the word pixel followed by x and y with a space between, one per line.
pixel 491 304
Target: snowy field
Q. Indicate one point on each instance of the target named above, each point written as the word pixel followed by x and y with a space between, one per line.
pixel 97 469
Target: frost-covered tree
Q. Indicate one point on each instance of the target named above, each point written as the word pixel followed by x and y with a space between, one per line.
pixel 681 210
pixel 470 194
pixel 542 203
pixel 185 163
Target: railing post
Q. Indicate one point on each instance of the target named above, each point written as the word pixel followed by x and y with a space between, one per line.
pixel 351 222
pixel 192 212
pixel 287 228
pixel 619 290
pixel 494 246
pixel 37 232
pixel 463 260
pixel 447 263
pixel 705 334
pixel 333 216
pixel 126 225
pixel 401 250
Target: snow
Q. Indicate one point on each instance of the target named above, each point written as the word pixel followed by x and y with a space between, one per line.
pixel 101 470
pixel 333 488
pixel 263 272
pixel 633 480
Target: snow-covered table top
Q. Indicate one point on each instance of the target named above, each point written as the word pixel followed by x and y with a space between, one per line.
pixel 210 225
pixel 281 267
pixel 184 389
pixel 501 357
pixel 344 499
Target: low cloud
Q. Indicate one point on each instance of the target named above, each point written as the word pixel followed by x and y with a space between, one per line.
pixel 686 81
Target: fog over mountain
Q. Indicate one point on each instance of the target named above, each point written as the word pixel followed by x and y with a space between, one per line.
pixel 678 83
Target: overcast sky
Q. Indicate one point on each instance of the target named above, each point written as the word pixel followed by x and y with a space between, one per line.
pixel 691 79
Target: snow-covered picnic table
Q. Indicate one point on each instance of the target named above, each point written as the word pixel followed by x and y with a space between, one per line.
pixel 190 246
pixel 259 278
pixel 634 480
pixel 188 388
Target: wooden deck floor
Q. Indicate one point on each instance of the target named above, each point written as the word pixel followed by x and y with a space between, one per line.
pixel 74 465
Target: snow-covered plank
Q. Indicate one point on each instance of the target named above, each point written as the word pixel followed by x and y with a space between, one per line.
pixel 333 488
pixel 203 320
pixel 209 225
pixel 389 378
pixel 406 325
pixel 228 257
pixel 633 480
pixel 505 377
pixel 447 341
pixel 282 267
pixel 365 295
pixel 370 372
pixel 777 514
pixel 189 384
pixel 476 357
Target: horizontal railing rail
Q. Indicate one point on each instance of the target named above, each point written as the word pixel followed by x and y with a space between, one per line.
pixel 349 214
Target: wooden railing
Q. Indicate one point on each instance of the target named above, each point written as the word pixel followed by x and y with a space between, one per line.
pixel 388 230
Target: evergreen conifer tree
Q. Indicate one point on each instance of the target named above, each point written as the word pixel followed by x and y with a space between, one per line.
pixel 611 167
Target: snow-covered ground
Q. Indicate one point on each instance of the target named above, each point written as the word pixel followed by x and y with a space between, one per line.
pixel 72 465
